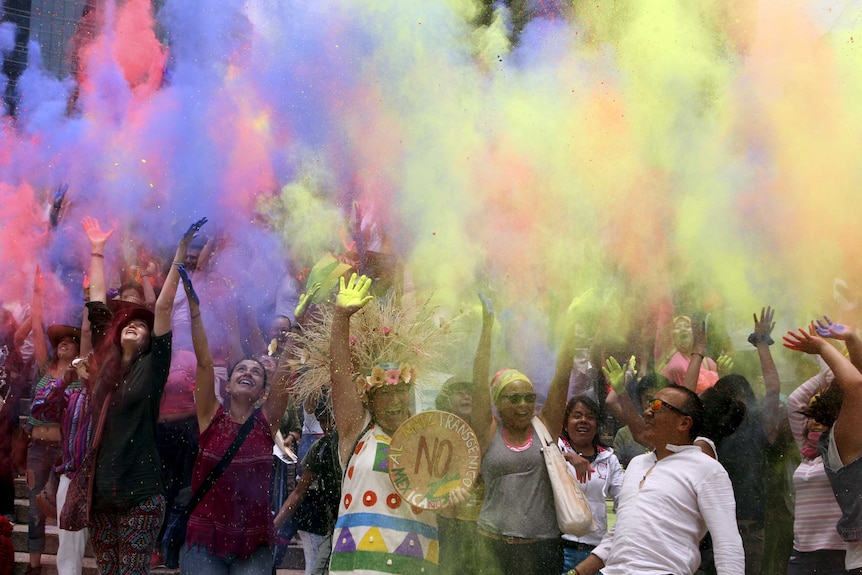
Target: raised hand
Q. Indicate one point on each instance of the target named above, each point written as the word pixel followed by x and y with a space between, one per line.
pixel 57 204
pixel 353 295
pixel 192 232
pixel 150 269
pixel 38 282
pixel 305 299
pixel 807 342
pixel 580 300
pixel 724 365
pixel 97 237
pixel 187 284
pixel 827 328
pixel 616 373
pixel 763 327
pixel 487 306
pixel 699 336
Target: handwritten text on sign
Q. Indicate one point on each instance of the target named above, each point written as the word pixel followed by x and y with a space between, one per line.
pixel 432 454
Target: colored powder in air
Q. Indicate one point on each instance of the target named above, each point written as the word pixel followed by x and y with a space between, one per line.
pixel 698 153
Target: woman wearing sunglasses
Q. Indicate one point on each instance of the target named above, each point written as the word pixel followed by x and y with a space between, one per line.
pixel 597 468
pixel 517 526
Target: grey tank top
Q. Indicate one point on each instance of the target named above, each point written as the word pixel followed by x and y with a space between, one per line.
pixel 519 501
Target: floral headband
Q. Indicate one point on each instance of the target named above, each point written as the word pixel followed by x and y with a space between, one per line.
pixel 385 374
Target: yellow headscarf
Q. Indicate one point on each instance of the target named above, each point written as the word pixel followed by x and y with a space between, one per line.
pixel 503 378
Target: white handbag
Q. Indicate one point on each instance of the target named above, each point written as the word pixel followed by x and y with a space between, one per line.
pixel 574 516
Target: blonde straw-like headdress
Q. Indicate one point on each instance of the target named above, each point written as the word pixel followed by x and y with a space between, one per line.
pixel 406 333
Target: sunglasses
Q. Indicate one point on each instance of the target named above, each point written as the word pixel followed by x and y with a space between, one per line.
pixel 516 398
pixel 656 405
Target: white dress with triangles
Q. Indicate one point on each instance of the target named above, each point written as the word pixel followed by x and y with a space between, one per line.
pixel 377 531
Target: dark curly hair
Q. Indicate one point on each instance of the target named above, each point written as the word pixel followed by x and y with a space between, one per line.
pixel 825 407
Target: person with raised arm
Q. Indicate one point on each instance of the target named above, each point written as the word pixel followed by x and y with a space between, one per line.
pixel 518 531
pixel 132 359
pixel 817 546
pixel 457 524
pixel 701 372
pixel 230 529
pixel 840 407
pixel 688 348
pixel 744 451
pixel 669 499
pixel 44 449
pixel 376 530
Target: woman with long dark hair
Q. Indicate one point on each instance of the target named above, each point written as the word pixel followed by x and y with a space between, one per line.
pixel 132 357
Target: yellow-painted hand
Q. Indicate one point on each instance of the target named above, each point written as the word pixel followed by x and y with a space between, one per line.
pixel 304 300
pixel 616 373
pixel 353 295
pixel 724 363
pixel 580 300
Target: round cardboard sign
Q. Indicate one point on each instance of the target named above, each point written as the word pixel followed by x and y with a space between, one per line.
pixel 432 454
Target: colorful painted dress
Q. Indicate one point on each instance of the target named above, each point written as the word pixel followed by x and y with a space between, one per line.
pixel 376 531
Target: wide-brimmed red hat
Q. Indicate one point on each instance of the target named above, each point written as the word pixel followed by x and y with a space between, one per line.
pixel 115 305
pixel 130 311
pixel 58 332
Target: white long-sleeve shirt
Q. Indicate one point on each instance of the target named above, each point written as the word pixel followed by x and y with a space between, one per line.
pixel 665 509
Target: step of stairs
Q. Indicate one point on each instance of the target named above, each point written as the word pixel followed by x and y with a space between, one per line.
pixel 49 565
pixel 293 563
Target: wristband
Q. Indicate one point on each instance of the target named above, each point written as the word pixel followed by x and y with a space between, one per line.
pixel 754 339
pixel 697 353
pixel 95 255
pixel 177 263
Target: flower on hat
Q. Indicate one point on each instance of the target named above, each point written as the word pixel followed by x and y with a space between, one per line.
pixel 378 377
pixel 386 374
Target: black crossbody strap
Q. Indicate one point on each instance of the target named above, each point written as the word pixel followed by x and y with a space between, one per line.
pixel 216 471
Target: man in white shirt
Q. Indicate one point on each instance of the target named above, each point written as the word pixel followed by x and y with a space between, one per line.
pixel 670 498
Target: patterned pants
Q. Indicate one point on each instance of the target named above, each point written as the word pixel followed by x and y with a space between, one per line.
pixel 124 541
